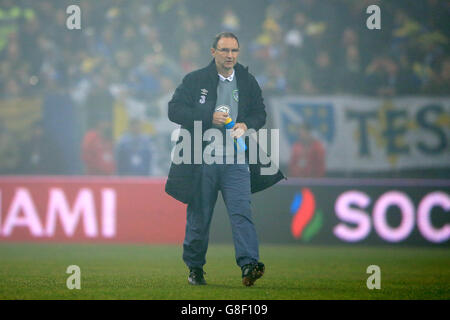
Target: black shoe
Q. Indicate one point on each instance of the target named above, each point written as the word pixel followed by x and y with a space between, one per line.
pixel 252 272
pixel 196 276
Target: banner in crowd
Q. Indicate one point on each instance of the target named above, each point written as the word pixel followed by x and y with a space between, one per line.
pixel 368 134
pixel 55 116
pixel 17 115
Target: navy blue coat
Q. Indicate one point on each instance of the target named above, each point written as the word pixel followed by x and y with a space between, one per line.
pixel 187 106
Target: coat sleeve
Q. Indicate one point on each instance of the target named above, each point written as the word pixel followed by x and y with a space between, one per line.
pixel 256 117
pixel 182 106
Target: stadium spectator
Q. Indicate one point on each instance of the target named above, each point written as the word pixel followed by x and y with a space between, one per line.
pixel 381 76
pixel 189 56
pixel 97 150
pixel 350 71
pixel 40 154
pixel 134 152
pixel 307 155
pixel 145 79
pixel 9 151
pixel 99 101
pixel 440 80
pixel 273 80
pixel 230 22
pixel 408 81
pixel 323 78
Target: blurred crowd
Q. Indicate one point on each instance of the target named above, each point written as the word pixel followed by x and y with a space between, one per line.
pixel 138 51
pixel 133 154
pixel 300 47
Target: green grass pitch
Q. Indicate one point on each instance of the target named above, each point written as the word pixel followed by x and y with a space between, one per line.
pixel 38 271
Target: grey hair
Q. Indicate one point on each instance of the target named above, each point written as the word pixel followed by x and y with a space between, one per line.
pixel 224 35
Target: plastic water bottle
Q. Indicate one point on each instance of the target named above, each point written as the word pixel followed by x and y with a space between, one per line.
pixel 229 123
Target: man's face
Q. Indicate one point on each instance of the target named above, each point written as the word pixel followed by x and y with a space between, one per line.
pixel 226 53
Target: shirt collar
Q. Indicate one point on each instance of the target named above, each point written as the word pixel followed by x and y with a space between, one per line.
pixel 230 78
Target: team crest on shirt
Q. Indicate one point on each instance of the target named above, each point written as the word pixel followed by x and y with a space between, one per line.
pixel 236 95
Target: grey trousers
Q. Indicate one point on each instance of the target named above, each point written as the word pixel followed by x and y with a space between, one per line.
pixel 233 180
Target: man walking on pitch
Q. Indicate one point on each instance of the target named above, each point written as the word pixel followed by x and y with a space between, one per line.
pixel 212 95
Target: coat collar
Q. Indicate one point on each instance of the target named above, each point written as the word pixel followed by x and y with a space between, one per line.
pixel 230 78
pixel 239 69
